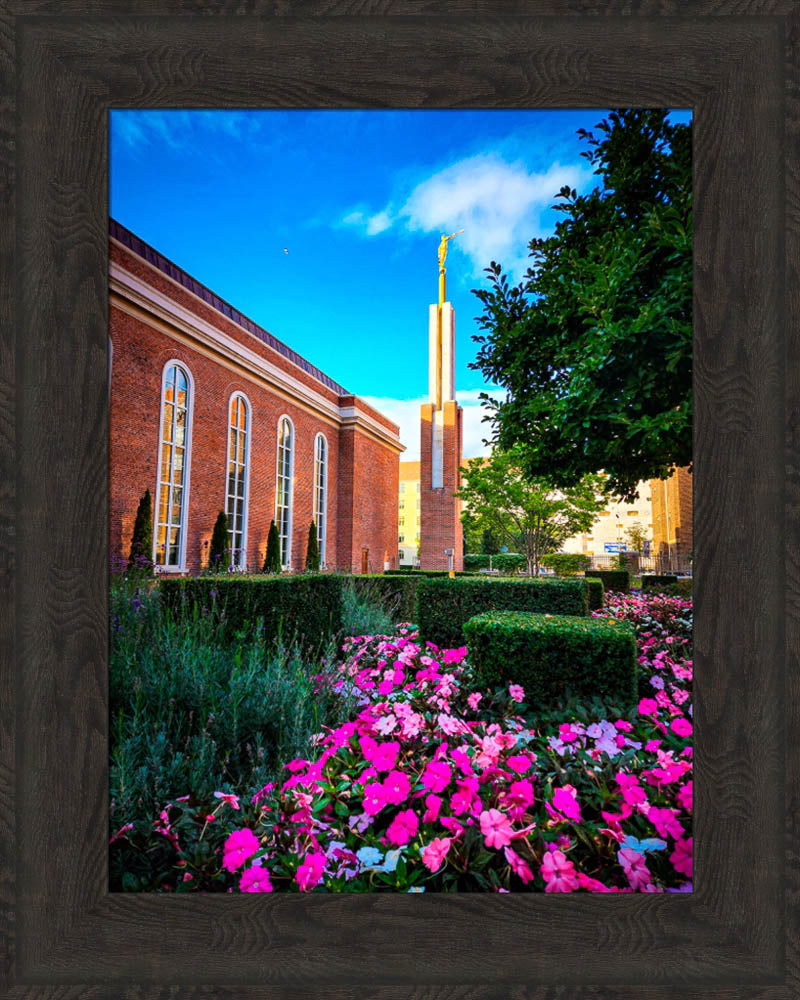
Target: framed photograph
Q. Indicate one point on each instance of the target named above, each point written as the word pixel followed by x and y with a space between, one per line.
pixel 65 930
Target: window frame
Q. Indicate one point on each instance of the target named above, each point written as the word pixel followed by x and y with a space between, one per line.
pixel 322 536
pixel 290 519
pixel 238 394
pixel 187 469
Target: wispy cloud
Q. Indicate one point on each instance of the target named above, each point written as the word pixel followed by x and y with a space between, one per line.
pixel 368 225
pixel 405 413
pixel 179 129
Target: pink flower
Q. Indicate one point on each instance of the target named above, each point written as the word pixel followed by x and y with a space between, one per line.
pixel 665 822
pixel 652 745
pixel 516 692
pixel 461 799
pixel 566 804
pixel 473 700
pixel 403 827
pixel 396 787
pixel 635 867
pixel 681 857
pixel 432 806
pixel 310 872
pixel 384 756
pixel 230 800
pixel 558 873
pixel 591 884
pixel 648 707
pixel 684 797
pixel 496 828
pixel 374 798
pixel 519 763
pixel 518 865
pixel 521 794
pixel 436 776
pixel 239 846
pixel 681 726
pixel 433 854
pixel 567 733
pixel 623 725
pixel 255 879
pixel 448 724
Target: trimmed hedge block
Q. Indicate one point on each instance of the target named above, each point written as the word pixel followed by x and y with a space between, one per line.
pixel 554 657
pixel 444 605
pixel 306 606
pixel 658 581
pixel 596 593
pixel 613 579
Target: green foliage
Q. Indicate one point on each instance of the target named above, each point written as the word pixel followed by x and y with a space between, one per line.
pixel 567 563
pixel 444 605
pixel 272 560
pixel 594 347
pixel 490 543
pixel 637 535
pixel 526 511
pixel 312 550
pixel 596 593
pixel 219 550
pixel 373 604
pixel 658 581
pixel 554 657
pixel 306 608
pixel 141 554
pixel 618 580
pixel 476 561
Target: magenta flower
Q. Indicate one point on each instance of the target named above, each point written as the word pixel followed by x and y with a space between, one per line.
pixel 591 884
pixel 648 707
pixel 255 879
pixel 461 799
pixel 433 854
pixel 496 828
pixel 635 868
pixel 432 806
pixel 665 822
pixel 519 763
pixel 374 798
pixel 558 873
pixel 310 872
pixel 681 726
pixel 384 755
pixel 565 803
pixel 521 794
pixel 403 827
pixel 681 857
pixel 684 797
pixel 516 692
pixel 229 800
pixel 239 846
pixel 436 776
pixel 518 865
pixel 473 700
pixel 396 787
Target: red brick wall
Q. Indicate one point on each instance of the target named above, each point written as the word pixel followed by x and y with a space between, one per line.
pixel 679 507
pixel 368 490
pixel 440 521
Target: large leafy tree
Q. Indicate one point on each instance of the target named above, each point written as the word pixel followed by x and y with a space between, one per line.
pixel 594 347
pixel 529 513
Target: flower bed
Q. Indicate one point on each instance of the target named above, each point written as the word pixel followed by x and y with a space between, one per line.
pixel 436 786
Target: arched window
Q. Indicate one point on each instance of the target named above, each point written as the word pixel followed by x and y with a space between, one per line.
pixel 283 489
pixel 237 476
pixel 169 541
pixel 321 492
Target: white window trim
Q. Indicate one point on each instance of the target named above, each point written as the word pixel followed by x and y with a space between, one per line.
pixel 248 436
pixel 323 550
pixel 187 470
pixel 290 528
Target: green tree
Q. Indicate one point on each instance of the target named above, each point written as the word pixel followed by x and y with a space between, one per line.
pixel 529 513
pixel 141 554
pixel 272 560
pixel 219 550
pixel 312 550
pixel 637 535
pixel 594 348
pixel 490 544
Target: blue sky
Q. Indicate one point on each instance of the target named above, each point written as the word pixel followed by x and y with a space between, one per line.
pixel 359 199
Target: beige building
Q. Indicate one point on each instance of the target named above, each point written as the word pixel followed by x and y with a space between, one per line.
pixel 408 520
pixel 609 533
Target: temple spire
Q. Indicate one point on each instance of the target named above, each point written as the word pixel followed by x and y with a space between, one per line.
pixel 442 295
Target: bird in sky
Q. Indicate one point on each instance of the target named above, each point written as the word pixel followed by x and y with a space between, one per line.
pixel 285 250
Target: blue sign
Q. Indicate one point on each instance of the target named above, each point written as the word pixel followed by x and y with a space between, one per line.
pixel 615 547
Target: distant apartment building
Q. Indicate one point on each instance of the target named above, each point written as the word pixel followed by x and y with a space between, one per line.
pixel 609 533
pixel 408 514
pixel 672 520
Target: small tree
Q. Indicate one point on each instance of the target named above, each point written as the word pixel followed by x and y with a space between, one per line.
pixel 312 550
pixel 272 560
pixel 637 536
pixel 220 544
pixel 140 558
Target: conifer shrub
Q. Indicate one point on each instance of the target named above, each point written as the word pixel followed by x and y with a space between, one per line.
pixel 312 550
pixel 555 658
pixel 141 554
pixel 658 581
pixel 272 560
pixel 444 605
pixel 219 550
pixel 618 580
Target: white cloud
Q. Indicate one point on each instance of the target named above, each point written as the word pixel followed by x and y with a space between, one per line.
pixel 179 128
pixel 405 413
pixel 378 223
pixel 370 225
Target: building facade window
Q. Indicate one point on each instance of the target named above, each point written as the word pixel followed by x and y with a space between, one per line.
pixel 169 537
pixel 283 489
pixel 321 493
pixel 238 476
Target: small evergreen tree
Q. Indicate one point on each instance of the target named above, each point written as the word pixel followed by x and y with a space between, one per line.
pixel 312 550
pixel 140 558
pixel 220 544
pixel 272 561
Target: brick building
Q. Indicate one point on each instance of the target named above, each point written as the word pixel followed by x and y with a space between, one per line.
pixel 672 520
pixel 211 412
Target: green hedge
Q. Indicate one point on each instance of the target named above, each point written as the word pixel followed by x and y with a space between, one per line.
pixel 398 591
pixel 567 563
pixel 476 560
pixel 613 579
pixel 658 581
pixel 305 606
pixel 413 571
pixel 554 657
pixel 444 605
pixel 596 593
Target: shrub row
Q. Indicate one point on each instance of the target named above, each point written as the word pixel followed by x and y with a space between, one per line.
pixel 658 581
pixel 406 570
pixel 567 563
pixel 554 657
pixel 618 580
pixel 443 606
pixel 505 562
pixel 397 592
pixel 596 593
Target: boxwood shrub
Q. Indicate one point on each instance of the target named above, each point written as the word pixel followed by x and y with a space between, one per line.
pixel 613 579
pixel 443 605
pixel 658 581
pixel 305 606
pixel 596 593
pixel 554 657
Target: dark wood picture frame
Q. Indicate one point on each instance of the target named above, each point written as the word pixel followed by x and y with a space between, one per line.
pixel 64 65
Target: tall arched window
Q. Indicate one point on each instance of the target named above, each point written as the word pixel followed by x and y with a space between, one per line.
pixel 321 492
pixel 237 476
pixel 283 488
pixel 169 542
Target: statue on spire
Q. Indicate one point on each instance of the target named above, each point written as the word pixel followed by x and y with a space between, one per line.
pixel 443 247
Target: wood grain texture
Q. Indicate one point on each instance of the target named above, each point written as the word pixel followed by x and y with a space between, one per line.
pixel 736 65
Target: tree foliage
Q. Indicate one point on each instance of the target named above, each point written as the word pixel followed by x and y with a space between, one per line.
pixel 219 550
pixel 141 554
pixel 312 550
pixel 527 512
pixel 594 347
pixel 272 560
pixel 637 535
